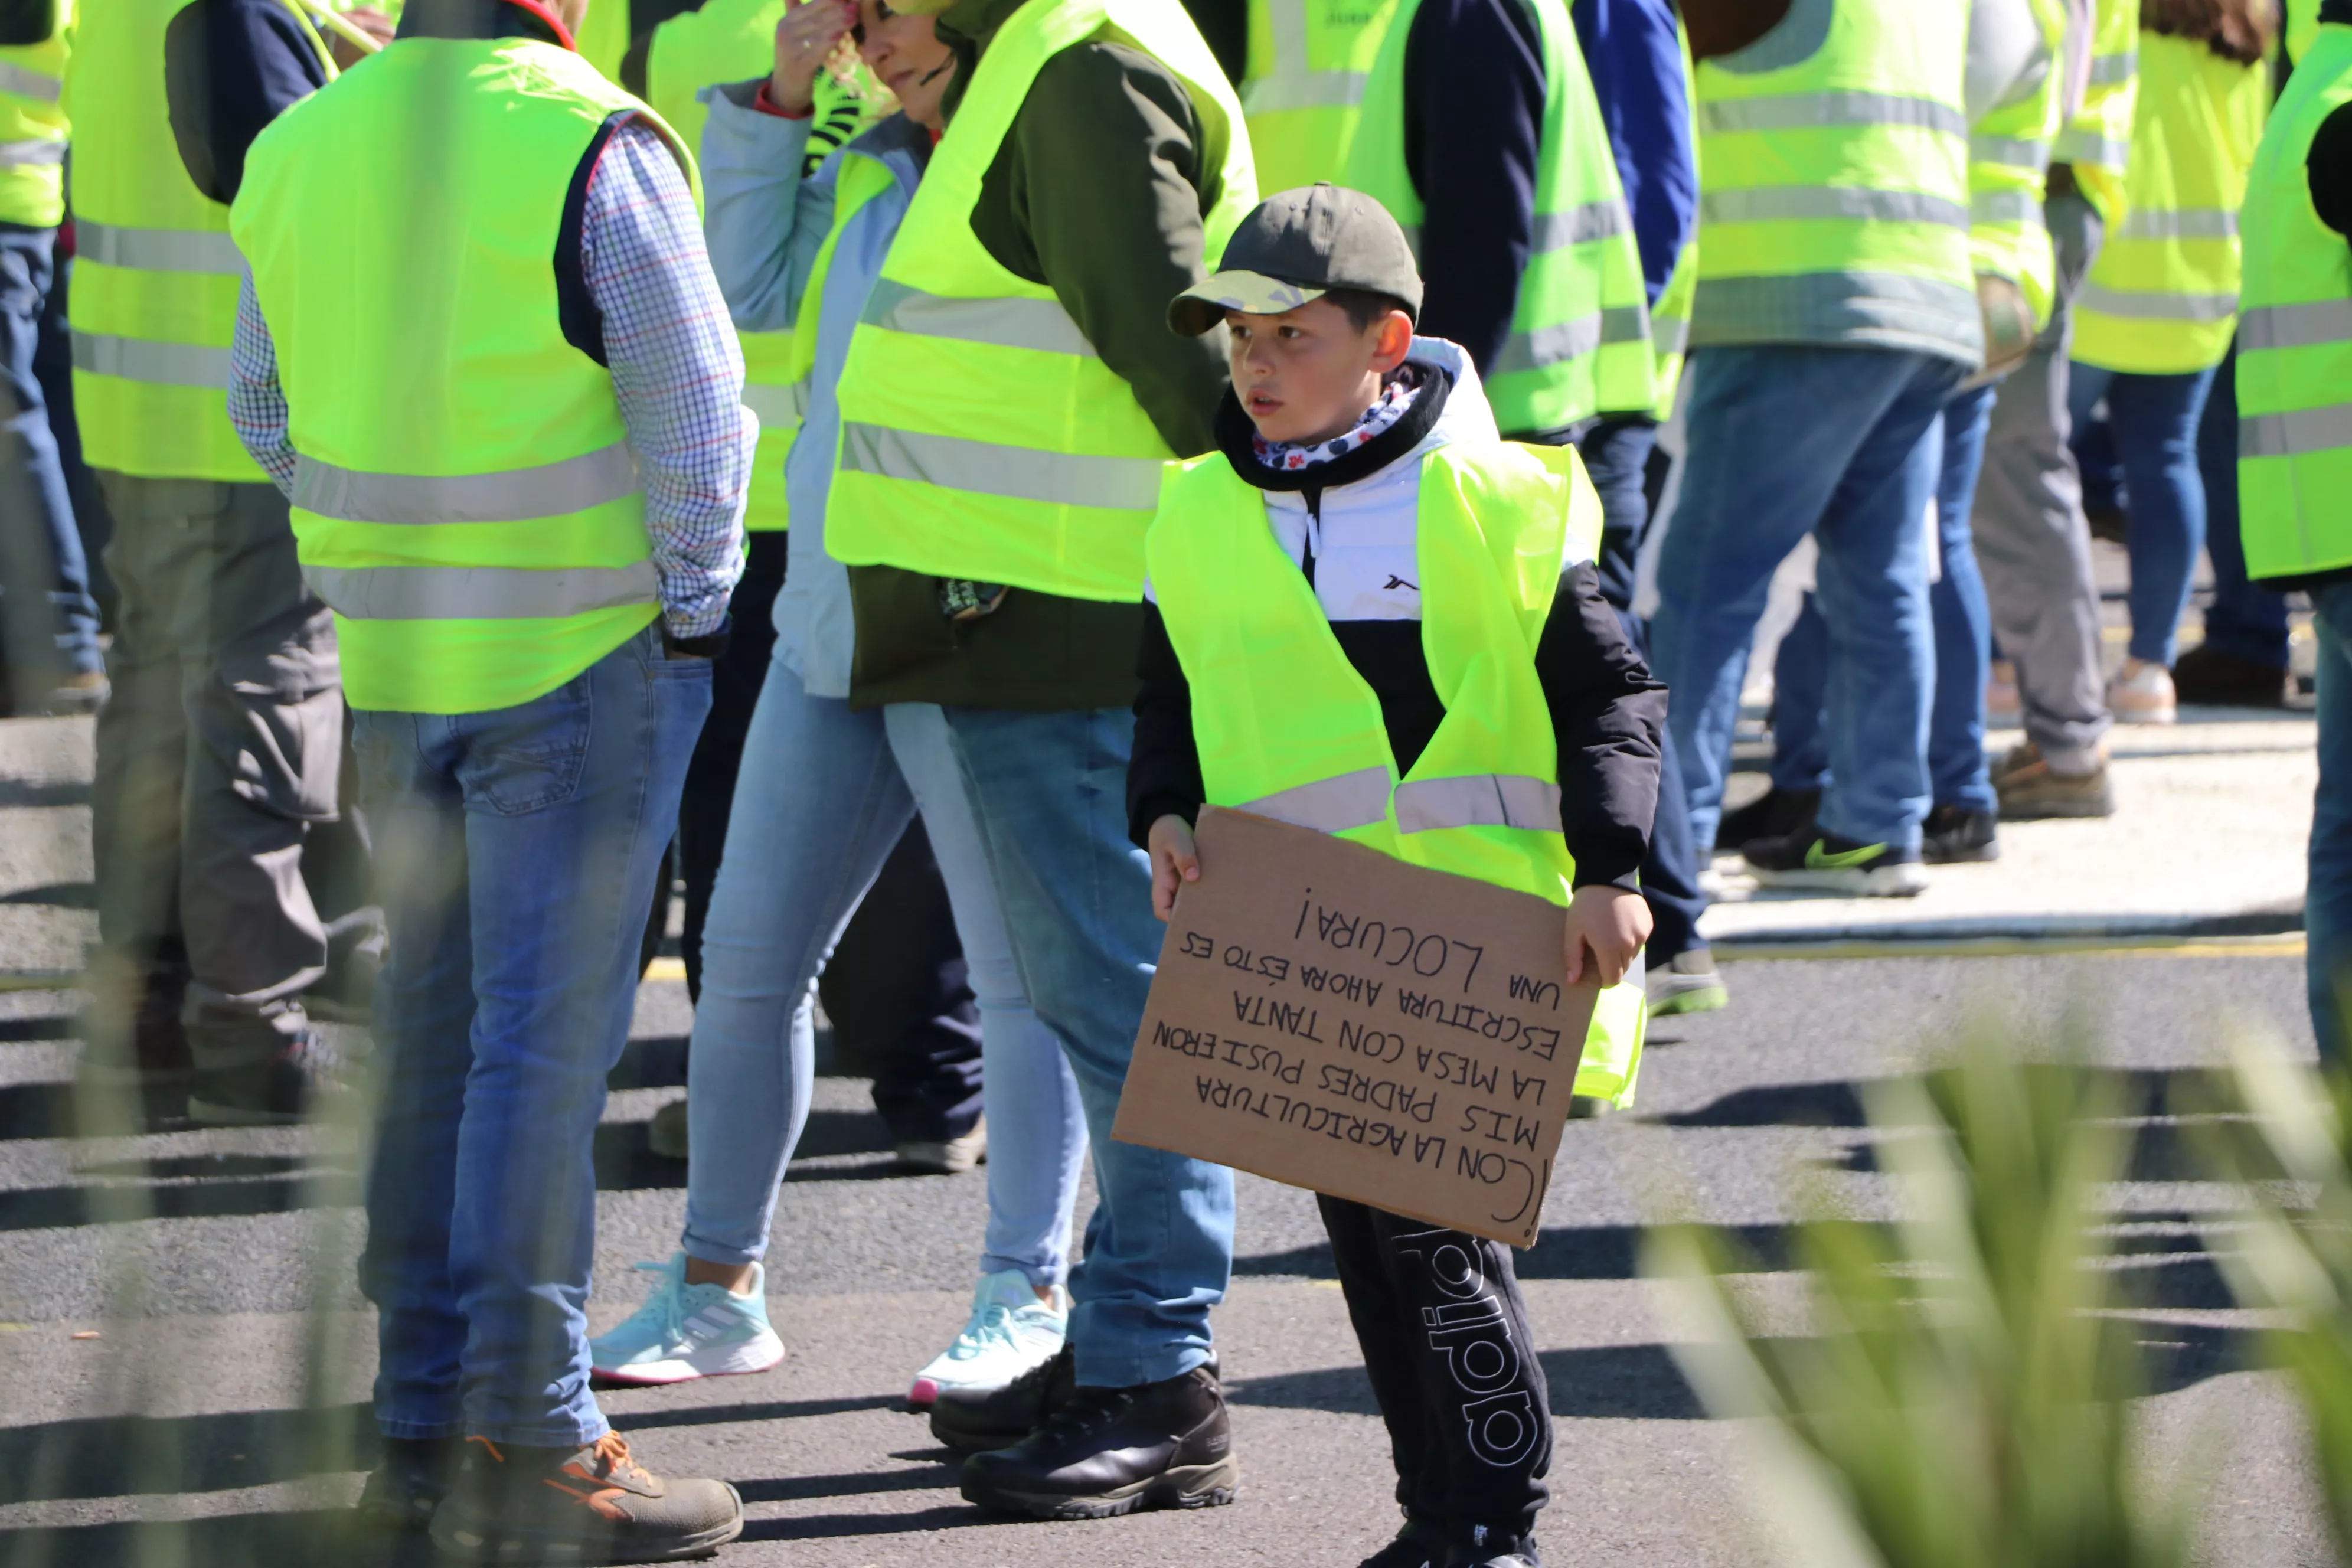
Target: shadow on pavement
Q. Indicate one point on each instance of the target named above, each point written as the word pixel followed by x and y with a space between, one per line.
pixel 122 1455
pixel 1605 1382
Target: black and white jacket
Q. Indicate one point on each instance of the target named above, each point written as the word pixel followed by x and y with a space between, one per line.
pixel 1350 523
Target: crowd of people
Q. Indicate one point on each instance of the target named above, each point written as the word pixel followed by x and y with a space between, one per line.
pixel 860 463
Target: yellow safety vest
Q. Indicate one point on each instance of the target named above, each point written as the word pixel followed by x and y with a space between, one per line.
pixel 604 37
pixel 2301 29
pixel 1670 318
pixel 33 126
pixel 465 498
pixel 2009 164
pixel 2162 297
pixel 1287 729
pixel 2295 341
pixel 1834 194
pixel 1303 88
pixel 732 41
pixel 983 437
pixel 1580 339
pixel 155 273
pixel 2097 143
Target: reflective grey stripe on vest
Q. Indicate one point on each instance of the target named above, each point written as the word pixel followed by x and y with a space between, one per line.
pixel 1670 335
pixel 2181 223
pixel 2295 435
pixel 1291 84
pixel 1040 324
pixel 144 359
pixel 1022 473
pixel 2006 206
pixel 479 592
pixel 2090 147
pixel 32 84
pixel 2296 326
pixel 32 153
pixel 509 495
pixel 157 250
pixel 776 407
pixel 2156 307
pixel 1573 340
pixel 1559 231
pixel 2114 71
pixel 1330 806
pixel 1303 89
pixel 1776 203
pixel 2010 153
pixel 1811 111
pixel 1581 225
pixel 1481 800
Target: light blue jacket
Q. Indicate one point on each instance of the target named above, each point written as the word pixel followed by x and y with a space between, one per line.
pixel 765 224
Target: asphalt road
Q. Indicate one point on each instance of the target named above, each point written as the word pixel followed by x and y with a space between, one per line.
pixel 217 1416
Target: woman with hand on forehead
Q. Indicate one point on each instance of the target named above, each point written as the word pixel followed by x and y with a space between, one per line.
pixel 824 792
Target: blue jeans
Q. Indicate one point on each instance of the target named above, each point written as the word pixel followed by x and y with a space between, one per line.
pixel 1050 792
pixel 823 796
pixel 2245 620
pixel 2153 420
pixel 516 850
pixel 1616 454
pixel 1957 774
pixel 27 256
pixel 1786 441
pixel 2327 903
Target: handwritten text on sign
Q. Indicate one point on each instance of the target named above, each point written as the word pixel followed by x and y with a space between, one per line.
pixel 1330 1017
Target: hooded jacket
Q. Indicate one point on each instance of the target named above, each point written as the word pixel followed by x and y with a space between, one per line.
pixel 1353 524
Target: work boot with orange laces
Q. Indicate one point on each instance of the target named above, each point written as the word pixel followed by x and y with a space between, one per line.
pixel 591 1505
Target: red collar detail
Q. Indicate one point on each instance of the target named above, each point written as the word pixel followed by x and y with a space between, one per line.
pixel 546 13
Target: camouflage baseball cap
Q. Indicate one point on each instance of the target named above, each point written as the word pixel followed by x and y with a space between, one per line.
pixel 1294 246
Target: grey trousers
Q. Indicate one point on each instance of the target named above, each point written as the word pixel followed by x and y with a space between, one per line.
pixel 2032 541
pixel 218 753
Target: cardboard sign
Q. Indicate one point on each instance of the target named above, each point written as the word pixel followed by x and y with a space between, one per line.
pixel 1330 1017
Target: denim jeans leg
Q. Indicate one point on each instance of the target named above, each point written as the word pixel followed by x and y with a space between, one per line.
pixel 819 805
pixel 2156 419
pixel 1049 791
pixel 2244 621
pixel 569 801
pixel 1956 771
pixel 1772 431
pixel 424 1033
pixel 1036 1120
pixel 1800 682
pixel 2327 905
pixel 26 262
pixel 1872 590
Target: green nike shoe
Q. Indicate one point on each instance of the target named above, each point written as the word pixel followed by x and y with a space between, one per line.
pixel 1818 861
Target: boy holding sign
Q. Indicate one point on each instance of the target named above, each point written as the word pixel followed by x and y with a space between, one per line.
pixel 1372 616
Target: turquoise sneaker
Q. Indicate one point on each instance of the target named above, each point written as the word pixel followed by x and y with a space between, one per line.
pixel 685 1332
pixel 1010 1330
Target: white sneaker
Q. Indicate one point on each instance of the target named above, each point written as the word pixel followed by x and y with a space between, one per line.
pixel 1010 1330
pixel 2142 693
pixel 685 1332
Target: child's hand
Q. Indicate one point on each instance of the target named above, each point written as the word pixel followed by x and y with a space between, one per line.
pixel 1609 923
pixel 1174 860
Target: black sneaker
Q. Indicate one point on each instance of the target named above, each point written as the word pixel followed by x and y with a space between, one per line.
pixel 289 1087
pixel 1495 1549
pixel 1954 833
pixel 1417 1545
pixel 1831 863
pixel 592 1505
pixel 1772 814
pixel 973 1420
pixel 1109 1451
pixel 408 1483
pixel 2207 676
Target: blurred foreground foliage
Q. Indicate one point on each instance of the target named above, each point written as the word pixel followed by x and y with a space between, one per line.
pixel 1959 1397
